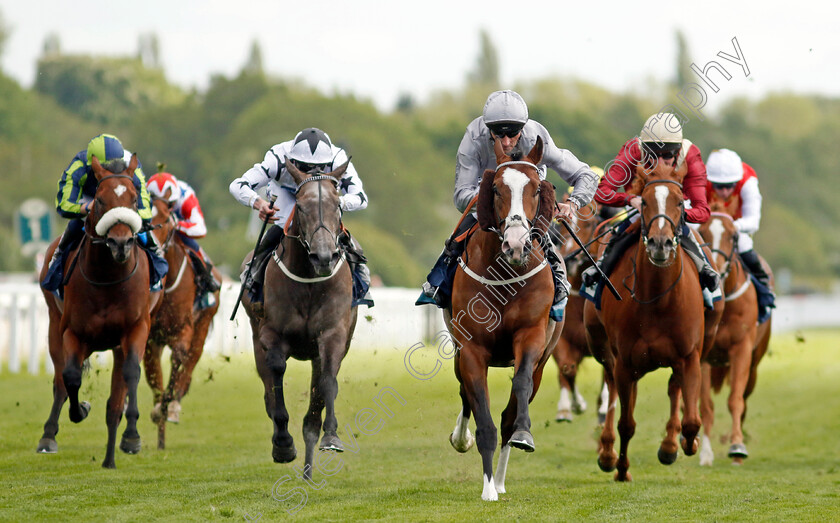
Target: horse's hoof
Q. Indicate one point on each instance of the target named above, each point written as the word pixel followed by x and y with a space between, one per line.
pixel 606 467
pixel 330 442
pixel 47 446
pixel 173 412
pixel 156 414
pixel 522 439
pixel 666 458
pixel 623 477
pixel 84 407
pixel 689 450
pixel 464 444
pixel 130 445
pixel 283 454
pixel 738 450
pixel 109 464
pixel 564 415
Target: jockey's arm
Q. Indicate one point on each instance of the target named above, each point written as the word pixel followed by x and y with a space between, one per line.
pixel 694 187
pixel 192 222
pixel 468 173
pixel 353 197
pixel 750 207
pixel 618 175
pixel 573 171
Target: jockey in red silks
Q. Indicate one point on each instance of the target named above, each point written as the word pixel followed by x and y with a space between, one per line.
pixel 660 141
pixel 734 184
pixel 184 204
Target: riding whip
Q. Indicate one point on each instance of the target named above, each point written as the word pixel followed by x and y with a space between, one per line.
pixel 251 263
pixel 580 244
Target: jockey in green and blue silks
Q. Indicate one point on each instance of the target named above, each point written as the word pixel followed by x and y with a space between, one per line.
pixel 77 185
pixel 75 196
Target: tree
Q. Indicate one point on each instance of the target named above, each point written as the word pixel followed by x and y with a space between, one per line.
pixel 148 50
pixel 52 46
pixel 683 73
pixel 486 72
pixel 254 63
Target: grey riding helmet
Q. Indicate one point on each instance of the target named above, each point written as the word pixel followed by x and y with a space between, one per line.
pixel 505 110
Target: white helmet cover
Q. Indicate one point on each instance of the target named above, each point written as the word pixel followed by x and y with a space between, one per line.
pixel 724 166
pixel 312 146
pixel 662 128
pixel 505 106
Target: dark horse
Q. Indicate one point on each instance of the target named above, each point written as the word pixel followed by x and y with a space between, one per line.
pixel 659 323
pixel 740 342
pixel 501 296
pixel 176 323
pixel 308 314
pixel 106 305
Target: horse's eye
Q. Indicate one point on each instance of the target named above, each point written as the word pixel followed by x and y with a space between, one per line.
pixel 495 190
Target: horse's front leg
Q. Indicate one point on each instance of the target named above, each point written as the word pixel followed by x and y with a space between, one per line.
pixel 114 407
pixel 473 370
pixel 74 355
pixel 690 378
pixel 740 357
pixel 134 347
pixel 47 444
pixel 461 438
pixel 183 363
pixel 332 347
pixel 667 453
pixel 283 447
pixel 707 414
pixel 312 421
pixel 626 387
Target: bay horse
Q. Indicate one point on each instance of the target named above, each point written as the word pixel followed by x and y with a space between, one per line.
pixel 740 342
pixel 309 314
pixel 107 305
pixel 660 322
pixel 502 293
pixel 177 323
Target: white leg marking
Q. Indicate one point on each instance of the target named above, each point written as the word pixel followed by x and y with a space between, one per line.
pixel 661 194
pixel 564 405
pixel 489 493
pixel 605 398
pixel 501 469
pixel 461 438
pixel 707 455
pixel 581 403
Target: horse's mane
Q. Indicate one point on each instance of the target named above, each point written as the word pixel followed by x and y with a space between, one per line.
pixel 115 166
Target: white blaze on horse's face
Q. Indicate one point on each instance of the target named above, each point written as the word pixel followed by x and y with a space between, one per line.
pixel 516 229
pixel 119 190
pixel 661 194
pixel 717 229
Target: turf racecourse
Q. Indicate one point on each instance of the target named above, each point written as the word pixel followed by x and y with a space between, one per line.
pixel 218 460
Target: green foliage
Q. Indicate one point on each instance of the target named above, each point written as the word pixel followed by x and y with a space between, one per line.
pixel 104 90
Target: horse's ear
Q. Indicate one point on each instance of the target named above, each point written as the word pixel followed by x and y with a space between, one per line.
pixel 296 173
pixel 338 173
pixel 547 204
pixel 501 157
pixel 484 206
pixel 132 165
pixel 98 170
pixel 536 153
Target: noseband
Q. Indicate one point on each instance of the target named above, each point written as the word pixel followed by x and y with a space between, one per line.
pixel 97 239
pixel 677 229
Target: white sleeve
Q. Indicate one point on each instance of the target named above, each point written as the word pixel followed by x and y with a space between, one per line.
pixel 244 188
pixel 750 207
pixel 353 197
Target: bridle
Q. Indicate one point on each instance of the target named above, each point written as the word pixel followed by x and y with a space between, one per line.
pixel 515 219
pixel 676 228
pixel 301 236
pixel 728 257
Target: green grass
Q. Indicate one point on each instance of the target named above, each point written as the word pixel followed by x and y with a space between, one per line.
pixel 218 460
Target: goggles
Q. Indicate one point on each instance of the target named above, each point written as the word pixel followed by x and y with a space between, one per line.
pixel 662 150
pixel 310 168
pixel 505 129
pixel 724 185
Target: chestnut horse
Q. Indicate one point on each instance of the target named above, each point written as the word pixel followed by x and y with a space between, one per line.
pixel 176 323
pixel 659 323
pixel 309 314
pixel 740 342
pixel 502 293
pixel 106 305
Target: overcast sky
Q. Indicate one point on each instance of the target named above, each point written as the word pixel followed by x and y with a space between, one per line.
pixel 379 49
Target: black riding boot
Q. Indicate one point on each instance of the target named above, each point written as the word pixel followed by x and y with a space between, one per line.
pixel 561 284
pixel 255 280
pixel 443 270
pixel 204 274
pixel 753 263
pixel 618 243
